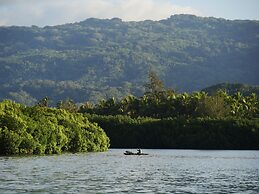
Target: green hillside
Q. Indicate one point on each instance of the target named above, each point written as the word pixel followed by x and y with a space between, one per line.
pixel 96 59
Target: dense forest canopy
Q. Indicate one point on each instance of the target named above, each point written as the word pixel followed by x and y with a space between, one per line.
pixel 161 118
pixel 42 130
pixel 101 58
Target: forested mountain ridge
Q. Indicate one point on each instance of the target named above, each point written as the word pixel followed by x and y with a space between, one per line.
pixel 96 58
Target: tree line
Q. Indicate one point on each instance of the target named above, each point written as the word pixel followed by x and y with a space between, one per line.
pixel 161 118
pixel 180 133
pixel 159 102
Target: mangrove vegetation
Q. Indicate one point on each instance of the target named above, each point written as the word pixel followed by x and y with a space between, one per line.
pixel 43 130
pixel 161 118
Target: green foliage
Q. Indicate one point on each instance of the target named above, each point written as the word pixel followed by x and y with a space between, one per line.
pixel 170 104
pixel 42 130
pixel 155 84
pixel 108 59
pixel 214 106
pixel 68 105
pixel 179 133
pixel 170 120
pixel 99 59
pixel 44 102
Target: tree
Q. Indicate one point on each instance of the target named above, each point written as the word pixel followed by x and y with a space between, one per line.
pixel 213 106
pixel 154 85
pixel 44 102
pixel 87 107
pixel 68 105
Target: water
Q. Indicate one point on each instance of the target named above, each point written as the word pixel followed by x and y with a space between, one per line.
pixel 162 171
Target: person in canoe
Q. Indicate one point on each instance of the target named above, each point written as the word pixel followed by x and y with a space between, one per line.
pixel 139 152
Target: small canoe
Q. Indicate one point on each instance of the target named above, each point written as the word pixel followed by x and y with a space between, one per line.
pixel 135 154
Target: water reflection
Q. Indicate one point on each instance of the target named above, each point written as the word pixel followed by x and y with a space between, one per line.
pixel 162 171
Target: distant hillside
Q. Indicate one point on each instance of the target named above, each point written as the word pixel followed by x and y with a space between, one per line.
pixel 96 58
pixel 233 89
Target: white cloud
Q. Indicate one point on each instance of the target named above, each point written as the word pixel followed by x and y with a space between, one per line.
pixel 49 12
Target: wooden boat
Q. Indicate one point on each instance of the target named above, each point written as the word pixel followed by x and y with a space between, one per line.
pixel 136 154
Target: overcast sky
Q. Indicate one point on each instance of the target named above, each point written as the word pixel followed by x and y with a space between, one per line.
pixel 53 12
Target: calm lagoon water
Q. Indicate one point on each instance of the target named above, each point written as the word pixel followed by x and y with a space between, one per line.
pixel 162 171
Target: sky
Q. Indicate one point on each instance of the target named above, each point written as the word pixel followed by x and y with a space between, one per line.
pixel 54 12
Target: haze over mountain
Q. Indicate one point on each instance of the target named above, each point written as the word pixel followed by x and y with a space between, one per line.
pixel 100 58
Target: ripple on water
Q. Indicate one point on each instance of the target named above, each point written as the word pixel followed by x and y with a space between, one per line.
pixel 162 171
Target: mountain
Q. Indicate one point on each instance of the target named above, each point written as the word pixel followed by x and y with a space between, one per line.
pixel 232 89
pixel 100 58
